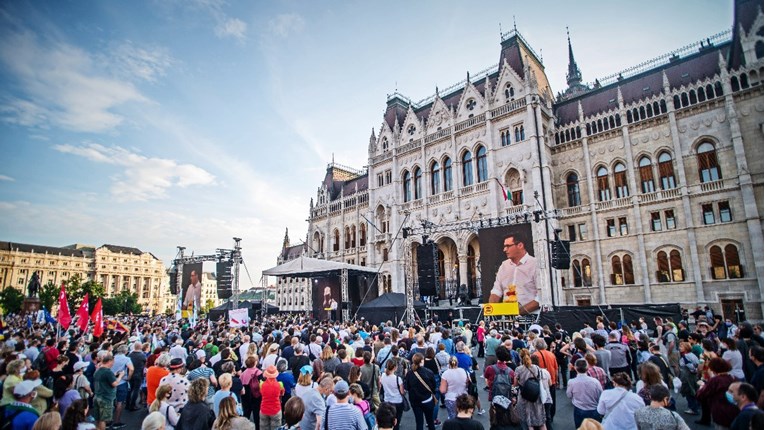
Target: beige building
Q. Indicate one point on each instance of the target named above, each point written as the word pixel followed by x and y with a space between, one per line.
pixel 654 173
pixel 117 268
pixel 210 289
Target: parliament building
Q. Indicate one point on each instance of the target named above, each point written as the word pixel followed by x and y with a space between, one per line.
pixel 654 175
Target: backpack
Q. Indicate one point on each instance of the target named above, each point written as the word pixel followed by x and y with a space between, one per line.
pixel 255 384
pixel 502 385
pixel 530 389
pixel 369 416
pixel 40 363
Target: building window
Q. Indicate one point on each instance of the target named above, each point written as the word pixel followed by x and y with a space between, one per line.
pixel 517 197
pixel 470 104
pixel 467 169
pixel 380 180
pixel 417 183
pixel 586 272
pixel 385 254
pixel 576 270
pixel 666 172
pixel 572 185
pixel 504 137
pixel 669 269
pixel 583 231
pixel 669 216
pixel 620 181
pixel 336 242
pixel 646 175
pixel 725 265
pixel 520 133
pixel 709 169
pixel 435 178
pixel 582 273
pixel 509 92
pixel 572 233
pixel 604 192
pixel 629 276
pixel 448 174
pixel 725 215
pixel 623 229
pixel 388 177
pixel 610 228
pixel 709 214
pixel 617 277
pixel 411 129
pixel 407 186
pixel 385 144
pixel 655 221
pixel 481 164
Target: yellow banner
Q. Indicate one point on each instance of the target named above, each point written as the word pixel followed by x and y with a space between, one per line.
pixel 497 309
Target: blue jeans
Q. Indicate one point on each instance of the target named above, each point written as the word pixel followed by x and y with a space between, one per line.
pixel 581 414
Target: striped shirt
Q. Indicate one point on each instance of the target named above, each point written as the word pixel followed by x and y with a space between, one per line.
pixel 599 374
pixel 344 416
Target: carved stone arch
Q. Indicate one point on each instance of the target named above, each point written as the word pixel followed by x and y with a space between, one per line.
pixel 721 243
pixel 513 178
pixel 615 161
pixel 705 138
pixel 470 91
pixel 666 248
pixel 597 167
pixel 659 150
pixel 620 253
pixel 564 176
pixel 641 154
pixel 380 210
pixel 474 150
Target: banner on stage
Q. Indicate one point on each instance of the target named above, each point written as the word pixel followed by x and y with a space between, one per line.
pixel 499 309
pixel 238 317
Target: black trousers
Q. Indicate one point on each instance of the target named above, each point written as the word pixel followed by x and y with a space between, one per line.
pixel 426 409
pixel 135 391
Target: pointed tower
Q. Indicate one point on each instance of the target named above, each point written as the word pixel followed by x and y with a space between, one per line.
pixel 286 243
pixel 573 75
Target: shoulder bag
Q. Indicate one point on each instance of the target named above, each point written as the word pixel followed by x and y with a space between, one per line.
pixel 433 396
pixel 405 402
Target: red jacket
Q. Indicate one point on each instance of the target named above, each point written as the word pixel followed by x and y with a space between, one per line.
pixel 271 392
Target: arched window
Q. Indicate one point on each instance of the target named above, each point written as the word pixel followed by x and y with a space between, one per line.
pixel 629 275
pixel 617 276
pixel 448 174
pixel 586 272
pixel 620 181
pixel 467 169
pixel 523 134
pixel 710 91
pixel 646 175
pixel 734 84
pixel 481 164
pixel 435 178
pixel 604 192
pixel 417 183
pixel 509 92
pixel 662 267
pixel 518 134
pixel 407 186
pixel 692 97
pixel 576 270
pixel 649 110
pixel 363 235
pixel 718 262
pixel 572 185
pixel 385 144
pixel 732 262
pixel 676 265
pixel 727 264
pixel 709 169
pixel 347 237
pixel 666 172
pixel 701 94
pixel 336 241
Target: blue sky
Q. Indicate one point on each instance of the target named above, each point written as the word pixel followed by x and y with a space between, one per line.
pixel 161 123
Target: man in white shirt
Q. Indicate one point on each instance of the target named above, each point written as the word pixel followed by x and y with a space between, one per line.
pixel 193 292
pixel 244 347
pixel 517 277
pixel 178 351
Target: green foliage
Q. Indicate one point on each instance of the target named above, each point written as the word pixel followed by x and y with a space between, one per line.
pixel 49 295
pixel 11 300
pixel 76 290
pixel 125 302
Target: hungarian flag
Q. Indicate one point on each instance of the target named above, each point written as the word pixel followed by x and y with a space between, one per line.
pixel 505 193
pixel 83 314
pixel 64 317
pixel 98 319
pixel 118 326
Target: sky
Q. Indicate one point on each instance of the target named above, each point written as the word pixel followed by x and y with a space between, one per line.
pixel 156 124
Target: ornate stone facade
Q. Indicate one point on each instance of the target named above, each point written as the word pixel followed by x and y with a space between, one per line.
pixel 292 294
pixel 654 173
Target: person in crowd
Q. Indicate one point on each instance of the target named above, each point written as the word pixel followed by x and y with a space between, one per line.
pixel 228 418
pixel 689 366
pixel 756 355
pixel 286 378
pixel 342 415
pixel 713 393
pixel 293 414
pixel 618 405
pixel 138 360
pixel 224 392
pixel 370 375
pixel 584 392
pixel 14 369
pixel 162 405
pixel 431 363
pixel 650 375
pixel 357 399
pixel 48 421
pixel 80 382
pixel 154 374
pixel 733 356
pixel 196 414
pixel 621 358
pixel 105 382
pixel 329 360
pixel 656 416
pixel 490 347
pixel 305 380
pixel 19 412
pixel 251 399
pixel 393 387
pixel 153 421
pixel 546 386
pixel 122 364
pixel 76 417
pixel 744 396
pixel 271 392
pixel 64 393
pixel 421 384
pixel 596 371
pixel 176 379
pixel 197 369
pixel 43 393
pixel 314 404
pixel 661 362
pixel 454 382
pixel 532 412
pixel 464 419
pixel 386 416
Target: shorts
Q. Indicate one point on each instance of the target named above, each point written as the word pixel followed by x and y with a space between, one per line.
pixel 122 393
pixel 103 410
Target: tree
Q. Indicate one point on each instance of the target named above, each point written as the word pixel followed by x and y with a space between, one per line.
pixel 11 300
pixel 125 302
pixel 76 290
pixel 49 295
pixel 209 304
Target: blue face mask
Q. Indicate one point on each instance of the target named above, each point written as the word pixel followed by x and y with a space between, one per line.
pixel 730 398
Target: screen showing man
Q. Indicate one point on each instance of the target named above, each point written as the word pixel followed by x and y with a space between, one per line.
pixel 326 296
pixel 517 277
pixel 192 287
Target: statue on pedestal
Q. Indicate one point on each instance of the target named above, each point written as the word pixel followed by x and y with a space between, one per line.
pixel 34 285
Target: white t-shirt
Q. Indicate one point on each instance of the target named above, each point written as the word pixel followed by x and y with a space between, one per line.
pixel 456 380
pixel 390 384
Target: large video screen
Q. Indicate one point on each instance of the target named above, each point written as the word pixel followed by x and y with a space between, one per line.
pixel 326 297
pixel 191 285
pixel 521 285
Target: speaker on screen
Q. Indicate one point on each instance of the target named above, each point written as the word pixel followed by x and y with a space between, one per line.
pixel 427 269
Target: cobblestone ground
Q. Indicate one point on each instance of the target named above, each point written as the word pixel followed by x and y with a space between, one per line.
pixel 564 417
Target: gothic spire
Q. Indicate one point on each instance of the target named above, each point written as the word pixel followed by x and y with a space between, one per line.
pixel 286 243
pixel 574 76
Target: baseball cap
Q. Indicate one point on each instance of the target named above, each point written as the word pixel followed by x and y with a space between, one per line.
pixel 80 365
pixel 23 388
pixel 341 387
pixel 305 370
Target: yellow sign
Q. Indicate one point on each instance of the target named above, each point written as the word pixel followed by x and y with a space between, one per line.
pixel 496 309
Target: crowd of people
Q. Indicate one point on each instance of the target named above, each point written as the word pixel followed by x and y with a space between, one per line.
pixel 294 373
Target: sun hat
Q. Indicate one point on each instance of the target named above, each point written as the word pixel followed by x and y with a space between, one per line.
pixel 176 363
pixel 23 388
pixel 271 372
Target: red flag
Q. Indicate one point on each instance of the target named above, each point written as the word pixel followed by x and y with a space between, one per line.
pixel 98 319
pixel 83 314
pixel 64 317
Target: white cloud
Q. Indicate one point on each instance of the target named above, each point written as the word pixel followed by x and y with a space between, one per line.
pixel 6 178
pixel 140 63
pixel 231 27
pixel 60 85
pixel 142 178
pixel 285 24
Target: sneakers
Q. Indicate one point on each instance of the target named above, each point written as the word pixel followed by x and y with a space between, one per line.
pixel 437 422
pixel 116 426
pixel 690 412
pixel 481 412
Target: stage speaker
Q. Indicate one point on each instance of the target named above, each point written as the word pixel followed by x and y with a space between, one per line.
pixel 223 272
pixel 427 269
pixel 561 255
pixel 173 281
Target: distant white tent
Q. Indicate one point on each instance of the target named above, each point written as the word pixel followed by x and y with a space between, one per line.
pixel 306 267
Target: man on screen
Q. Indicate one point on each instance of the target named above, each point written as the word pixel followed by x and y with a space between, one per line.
pixel 517 277
pixel 193 292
